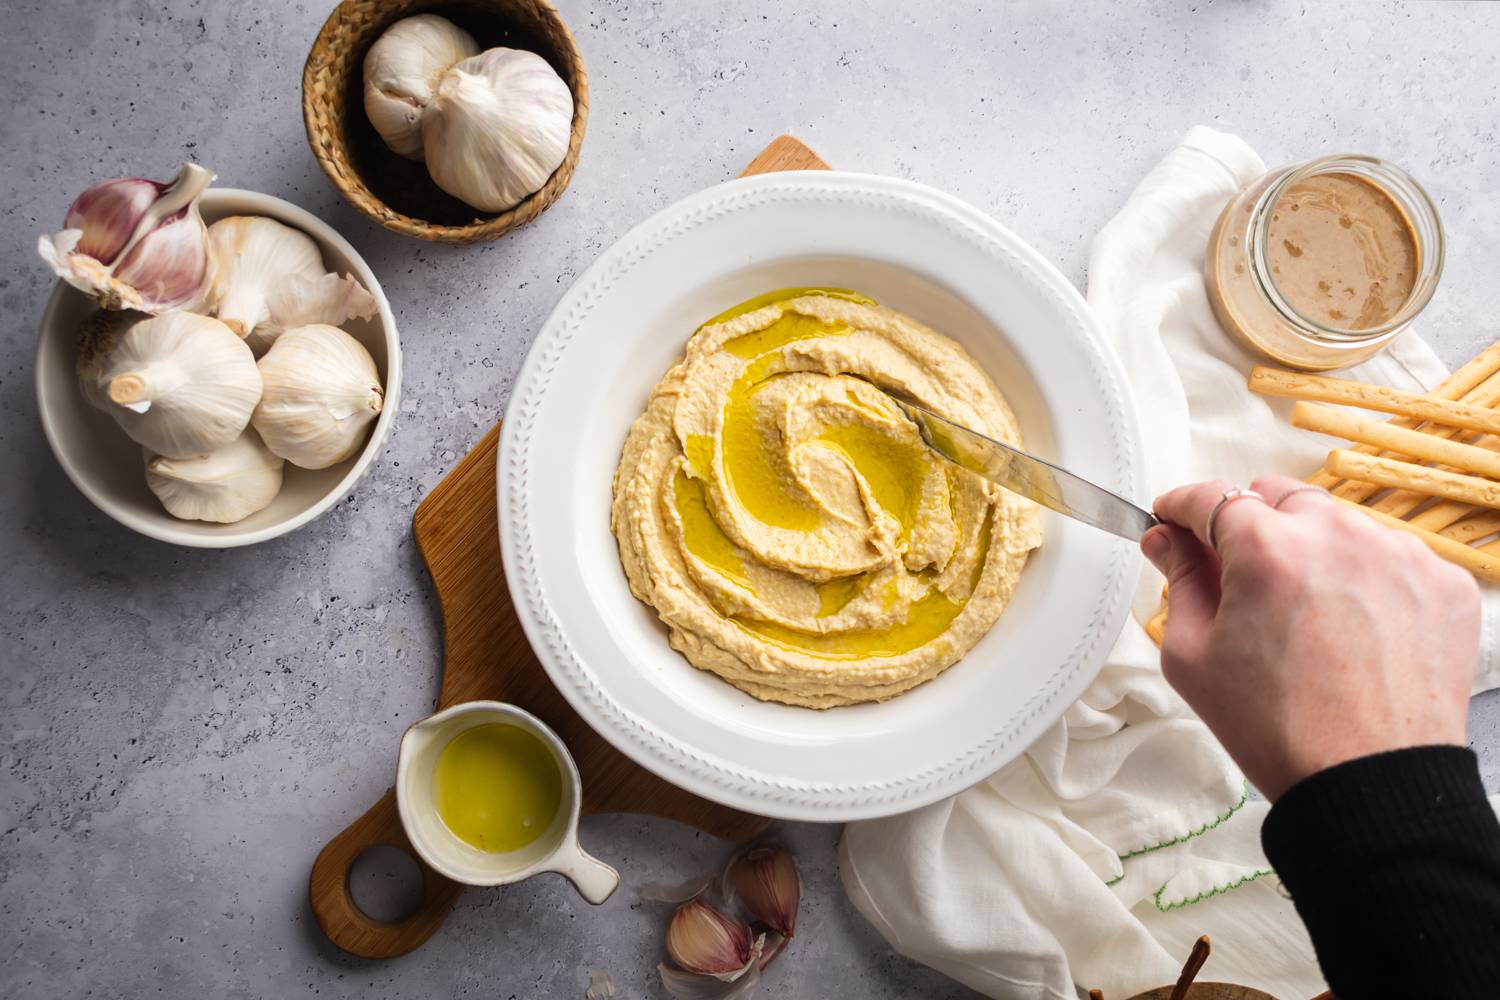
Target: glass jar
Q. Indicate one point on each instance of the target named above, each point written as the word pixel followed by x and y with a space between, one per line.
pixel 1350 251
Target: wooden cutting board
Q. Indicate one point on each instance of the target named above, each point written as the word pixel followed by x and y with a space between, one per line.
pixel 486 656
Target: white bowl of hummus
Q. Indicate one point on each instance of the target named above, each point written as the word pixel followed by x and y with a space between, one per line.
pixel 734 558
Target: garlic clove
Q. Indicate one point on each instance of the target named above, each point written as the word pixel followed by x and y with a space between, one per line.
pixel 106 215
pixel 222 486
pixel 322 390
pixel 497 127
pixel 180 384
pixel 136 244
pixel 256 256
pixel 700 939
pixel 401 72
pixel 304 301
pixel 768 883
pixel 167 266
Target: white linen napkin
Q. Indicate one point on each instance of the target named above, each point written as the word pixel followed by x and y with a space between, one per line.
pixel 1098 857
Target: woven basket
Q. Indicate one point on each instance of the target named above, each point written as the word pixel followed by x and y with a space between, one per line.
pixel 396 192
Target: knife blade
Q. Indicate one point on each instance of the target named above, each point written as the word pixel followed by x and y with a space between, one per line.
pixel 1031 477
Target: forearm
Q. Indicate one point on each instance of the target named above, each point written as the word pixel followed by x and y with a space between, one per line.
pixel 1393 862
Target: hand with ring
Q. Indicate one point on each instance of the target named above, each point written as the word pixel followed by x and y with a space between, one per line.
pixel 1304 633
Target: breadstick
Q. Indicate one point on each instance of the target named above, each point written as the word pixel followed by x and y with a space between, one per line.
pixel 1156 628
pixel 1325 479
pixel 1483 564
pixel 1467 380
pixel 1414 444
pixel 1435 518
pixel 1470 374
pixel 1156 625
pixel 1469 529
pixel 1296 385
pixel 1421 478
pixel 1399 503
pixel 1487 395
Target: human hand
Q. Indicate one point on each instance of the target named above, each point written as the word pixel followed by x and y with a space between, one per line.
pixel 1314 635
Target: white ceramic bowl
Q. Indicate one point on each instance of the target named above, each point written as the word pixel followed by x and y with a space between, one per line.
pixel 619 328
pixel 106 465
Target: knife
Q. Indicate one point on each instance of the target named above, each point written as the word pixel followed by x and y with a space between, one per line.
pixel 1031 477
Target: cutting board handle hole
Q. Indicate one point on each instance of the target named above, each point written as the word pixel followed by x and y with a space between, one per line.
pixel 385 883
pixel 351 893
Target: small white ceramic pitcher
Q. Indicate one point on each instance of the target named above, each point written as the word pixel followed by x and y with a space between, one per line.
pixel 556 850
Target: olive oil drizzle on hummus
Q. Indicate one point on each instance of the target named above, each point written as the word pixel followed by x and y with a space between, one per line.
pixel 927 619
pixel 786 520
pixel 893 469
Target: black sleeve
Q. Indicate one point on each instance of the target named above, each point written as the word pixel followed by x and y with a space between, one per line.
pixel 1393 862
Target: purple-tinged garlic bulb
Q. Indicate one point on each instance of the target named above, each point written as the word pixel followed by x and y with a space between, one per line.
pixel 138 244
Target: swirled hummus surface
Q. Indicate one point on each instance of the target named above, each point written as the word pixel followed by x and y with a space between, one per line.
pixel 785 519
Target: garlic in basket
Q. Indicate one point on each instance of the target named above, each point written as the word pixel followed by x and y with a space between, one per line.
pixel 321 392
pixel 223 486
pixel 494 126
pixel 401 76
pixel 180 383
pixel 497 129
pixel 271 277
pixel 136 244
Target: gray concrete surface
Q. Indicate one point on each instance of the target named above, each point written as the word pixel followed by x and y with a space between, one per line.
pixel 182 729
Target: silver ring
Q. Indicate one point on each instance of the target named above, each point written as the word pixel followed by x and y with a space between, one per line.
pixel 1309 488
pixel 1229 497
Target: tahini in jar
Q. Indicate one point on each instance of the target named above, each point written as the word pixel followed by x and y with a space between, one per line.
pixel 1320 265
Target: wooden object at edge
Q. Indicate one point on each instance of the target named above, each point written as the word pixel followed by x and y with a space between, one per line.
pixel 486 656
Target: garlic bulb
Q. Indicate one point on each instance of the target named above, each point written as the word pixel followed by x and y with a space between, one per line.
pixel 180 383
pixel 255 256
pixel 492 125
pixel 136 244
pixel 271 277
pixel 97 339
pixel 401 74
pixel 224 485
pixel 497 128
pixel 321 391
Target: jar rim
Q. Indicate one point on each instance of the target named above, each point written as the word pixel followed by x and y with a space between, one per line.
pixel 1409 196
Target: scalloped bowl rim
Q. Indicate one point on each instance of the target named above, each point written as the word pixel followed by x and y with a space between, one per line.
pixel 586 378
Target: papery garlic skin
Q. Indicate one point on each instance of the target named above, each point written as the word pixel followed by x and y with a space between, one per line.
pixel 497 128
pixel 270 278
pixel 222 486
pixel 300 300
pixel 401 73
pixel 256 256
pixel 601 986
pixel 692 986
pixel 97 339
pixel 180 384
pixel 321 392
pixel 137 244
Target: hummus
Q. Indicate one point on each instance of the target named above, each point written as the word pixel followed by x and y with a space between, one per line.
pixel 787 522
